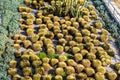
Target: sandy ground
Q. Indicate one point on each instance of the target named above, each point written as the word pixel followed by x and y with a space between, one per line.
pixel 117 2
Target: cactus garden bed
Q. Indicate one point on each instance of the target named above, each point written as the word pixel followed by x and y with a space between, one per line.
pixel 58 40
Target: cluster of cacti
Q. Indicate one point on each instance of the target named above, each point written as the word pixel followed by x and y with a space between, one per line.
pixel 47 39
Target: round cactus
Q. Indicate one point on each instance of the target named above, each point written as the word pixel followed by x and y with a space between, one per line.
pixel 96 42
pixel 104 38
pixel 30 16
pixel 68 38
pixel 70 77
pixel 29 21
pixel 39 70
pixel 86 62
pixel 75 50
pixel 16 77
pixel 67 48
pixel 86 18
pixel 62 21
pixel 56 18
pixel 37 63
pixel 39 14
pixel 91 7
pixel 90 78
pixel 46 66
pixel 58 77
pixel 68 23
pixel 59 71
pixel 62 64
pixel 59 49
pixel 36 76
pixel 38 21
pixel 79 68
pixel 84 52
pixel 13 63
pixel 18 54
pixel 37 47
pixel 78 34
pixel 27 71
pixel 106 46
pixel 96 63
pixel 47 41
pixel 80 46
pixel 101 69
pixel 82 75
pixel 105 32
pixel 111 52
pixel 71 62
pixel 24 14
pixel 99 76
pixel 93 50
pixel 111 75
pixel 93 36
pixel 16 46
pixel 117 66
pixel 76 25
pixel 50 46
pixel 26 78
pixel 65 32
pixel 47 77
pixel 16 36
pixel 34 57
pixel 67 18
pixel 98 25
pixel 87 26
pixel 94 30
pixel 85 32
pixel 45 18
pixel 60 35
pixel 50 25
pixel 62 58
pixel 21 20
pixel 73 20
pixel 18 41
pixel 70 70
pixel 80 19
pixel 56 23
pixel 78 57
pixel 79 39
pixel 54 61
pixel 91 56
pixel 27 43
pixel 45 60
pixel 24 63
pixel 12 71
pixel 62 41
pixel 25 57
pixel 50 51
pixel 89 71
pixel 34 38
pixel 93 13
pixel 89 45
pixel 86 39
